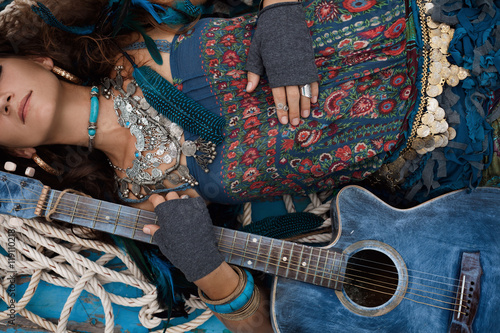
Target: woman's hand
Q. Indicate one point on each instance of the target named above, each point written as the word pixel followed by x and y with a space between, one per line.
pixel 185 235
pixel 282 49
pixel 182 220
pixel 290 103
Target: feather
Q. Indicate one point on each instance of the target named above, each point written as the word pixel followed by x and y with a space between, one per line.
pixel 150 44
pixel 168 280
pixel 163 281
pixel 176 106
pixel 45 14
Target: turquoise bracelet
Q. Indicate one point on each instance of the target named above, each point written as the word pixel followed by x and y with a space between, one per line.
pixel 238 302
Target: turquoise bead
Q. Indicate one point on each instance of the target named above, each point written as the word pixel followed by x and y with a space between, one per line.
pixel 91 132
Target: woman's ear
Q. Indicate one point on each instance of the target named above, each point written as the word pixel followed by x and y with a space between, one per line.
pixel 48 63
pixel 22 152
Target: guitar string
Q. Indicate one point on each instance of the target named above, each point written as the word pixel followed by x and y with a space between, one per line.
pixel 382 286
pixel 230 249
pixel 361 280
pixel 278 266
pixel 125 225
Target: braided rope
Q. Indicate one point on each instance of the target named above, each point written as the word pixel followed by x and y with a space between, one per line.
pixel 35 241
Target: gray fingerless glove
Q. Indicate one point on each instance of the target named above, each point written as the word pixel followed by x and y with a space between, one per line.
pixel 186 237
pixel 282 46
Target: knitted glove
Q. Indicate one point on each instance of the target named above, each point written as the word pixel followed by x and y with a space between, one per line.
pixel 282 45
pixel 186 237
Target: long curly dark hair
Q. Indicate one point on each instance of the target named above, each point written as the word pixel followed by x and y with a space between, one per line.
pixel 89 57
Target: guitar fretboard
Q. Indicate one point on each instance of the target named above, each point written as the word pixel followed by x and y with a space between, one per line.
pixel 319 266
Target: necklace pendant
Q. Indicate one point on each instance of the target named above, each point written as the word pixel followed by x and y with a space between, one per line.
pixel 189 148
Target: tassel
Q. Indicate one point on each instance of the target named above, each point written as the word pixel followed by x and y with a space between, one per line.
pixel 176 106
pixel 45 14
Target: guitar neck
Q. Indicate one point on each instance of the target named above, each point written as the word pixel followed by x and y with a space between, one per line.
pixel 319 266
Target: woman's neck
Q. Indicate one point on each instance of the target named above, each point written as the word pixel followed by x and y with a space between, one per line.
pixel 70 127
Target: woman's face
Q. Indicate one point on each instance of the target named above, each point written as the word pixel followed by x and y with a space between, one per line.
pixel 28 100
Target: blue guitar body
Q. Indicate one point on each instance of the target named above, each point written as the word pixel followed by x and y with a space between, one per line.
pixel 427 246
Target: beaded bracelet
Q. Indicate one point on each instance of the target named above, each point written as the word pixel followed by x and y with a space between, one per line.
pixel 239 300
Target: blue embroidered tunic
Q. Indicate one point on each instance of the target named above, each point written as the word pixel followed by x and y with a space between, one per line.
pixel 367 56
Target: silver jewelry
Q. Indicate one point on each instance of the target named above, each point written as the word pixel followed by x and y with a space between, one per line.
pixel 305 90
pixel 281 106
pixel 157 142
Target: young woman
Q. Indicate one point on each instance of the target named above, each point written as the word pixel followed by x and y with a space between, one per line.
pixel 382 109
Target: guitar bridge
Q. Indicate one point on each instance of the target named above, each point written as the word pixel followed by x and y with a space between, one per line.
pixel 468 290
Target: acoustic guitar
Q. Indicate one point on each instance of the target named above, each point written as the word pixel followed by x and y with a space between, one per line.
pixel 431 268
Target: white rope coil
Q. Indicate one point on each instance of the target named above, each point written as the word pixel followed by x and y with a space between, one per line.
pixel 41 249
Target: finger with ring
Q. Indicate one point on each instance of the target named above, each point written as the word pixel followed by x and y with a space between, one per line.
pixel 306 91
pixel 281 106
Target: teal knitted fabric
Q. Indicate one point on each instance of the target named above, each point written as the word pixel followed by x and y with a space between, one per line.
pixel 285 226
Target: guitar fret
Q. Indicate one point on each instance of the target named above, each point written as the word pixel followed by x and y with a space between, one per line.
pixel 74 210
pixel 338 274
pixel 290 258
pixel 324 269
pixel 117 218
pixel 309 265
pixel 151 237
pixel 258 251
pixel 299 263
pixel 220 236
pixel 317 267
pixel 136 223
pixel 331 269
pixel 243 258
pixel 280 257
pixel 232 247
pixel 269 255
pixel 97 213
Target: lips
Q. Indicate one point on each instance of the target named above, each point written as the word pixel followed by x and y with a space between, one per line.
pixel 23 107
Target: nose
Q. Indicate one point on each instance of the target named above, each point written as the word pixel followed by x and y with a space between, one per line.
pixel 6 103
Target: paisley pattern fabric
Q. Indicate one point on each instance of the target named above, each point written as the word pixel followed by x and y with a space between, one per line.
pixel 365 54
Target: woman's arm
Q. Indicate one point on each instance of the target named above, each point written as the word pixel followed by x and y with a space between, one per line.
pixel 282 48
pixel 186 237
pixel 221 283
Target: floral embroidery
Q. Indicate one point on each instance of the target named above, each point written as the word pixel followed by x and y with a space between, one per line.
pixel 356 6
pixel 365 94
pixel 327 11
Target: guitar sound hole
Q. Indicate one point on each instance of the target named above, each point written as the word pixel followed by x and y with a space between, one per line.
pixel 371 278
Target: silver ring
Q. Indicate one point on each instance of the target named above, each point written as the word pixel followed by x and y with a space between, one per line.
pixel 184 196
pixel 305 90
pixel 281 106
